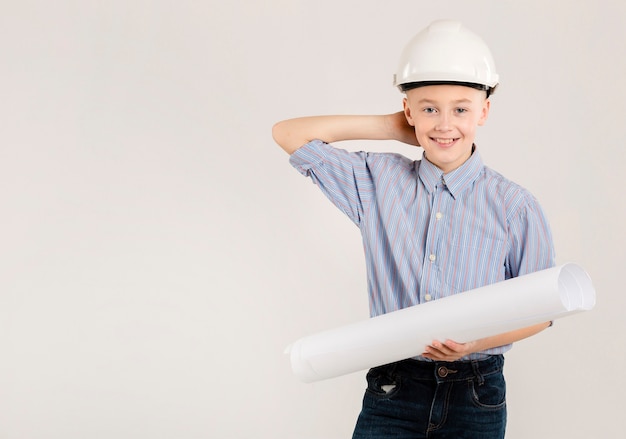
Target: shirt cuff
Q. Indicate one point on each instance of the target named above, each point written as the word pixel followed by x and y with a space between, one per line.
pixel 309 156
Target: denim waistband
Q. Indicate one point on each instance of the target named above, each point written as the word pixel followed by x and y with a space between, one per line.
pixel 447 370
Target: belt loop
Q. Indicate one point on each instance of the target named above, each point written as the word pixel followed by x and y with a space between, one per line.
pixel 479 377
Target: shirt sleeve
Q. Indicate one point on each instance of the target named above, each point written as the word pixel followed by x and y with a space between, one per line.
pixel 530 240
pixel 341 175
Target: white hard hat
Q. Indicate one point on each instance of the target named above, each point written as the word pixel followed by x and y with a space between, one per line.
pixel 446 52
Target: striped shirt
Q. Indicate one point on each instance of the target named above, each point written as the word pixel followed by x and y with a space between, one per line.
pixel 427 234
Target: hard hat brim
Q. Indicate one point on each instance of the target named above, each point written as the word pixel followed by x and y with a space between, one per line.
pixel 411 85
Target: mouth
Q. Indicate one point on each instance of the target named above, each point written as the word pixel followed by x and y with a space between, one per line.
pixel 444 142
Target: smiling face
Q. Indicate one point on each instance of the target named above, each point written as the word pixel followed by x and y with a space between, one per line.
pixel 445 118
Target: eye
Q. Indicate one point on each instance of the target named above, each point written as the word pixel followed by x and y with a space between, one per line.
pixel 429 110
pixel 461 110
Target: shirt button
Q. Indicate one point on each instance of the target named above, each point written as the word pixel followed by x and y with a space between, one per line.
pixel 439 215
pixel 428 297
pixel 432 258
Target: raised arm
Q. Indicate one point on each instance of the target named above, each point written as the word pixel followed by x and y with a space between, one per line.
pixel 293 133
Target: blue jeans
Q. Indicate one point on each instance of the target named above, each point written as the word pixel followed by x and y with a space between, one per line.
pixel 420 399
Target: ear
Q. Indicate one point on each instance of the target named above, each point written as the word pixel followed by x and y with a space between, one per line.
pixel 485 112
pixel 407 112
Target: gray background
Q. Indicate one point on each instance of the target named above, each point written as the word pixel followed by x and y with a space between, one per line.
pixel 159 253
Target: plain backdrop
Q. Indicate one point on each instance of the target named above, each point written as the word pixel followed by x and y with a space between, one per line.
pixel 158 252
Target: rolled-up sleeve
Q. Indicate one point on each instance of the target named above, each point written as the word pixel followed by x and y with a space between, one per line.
pixel 341 175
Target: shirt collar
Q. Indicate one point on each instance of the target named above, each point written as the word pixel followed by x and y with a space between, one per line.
pixel 455 181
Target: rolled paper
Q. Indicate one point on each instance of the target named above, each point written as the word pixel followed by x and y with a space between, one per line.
pixel 474 314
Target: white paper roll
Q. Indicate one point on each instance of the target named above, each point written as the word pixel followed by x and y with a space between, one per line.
pixel 490 310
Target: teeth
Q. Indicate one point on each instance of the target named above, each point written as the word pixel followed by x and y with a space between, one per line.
pixel 444 141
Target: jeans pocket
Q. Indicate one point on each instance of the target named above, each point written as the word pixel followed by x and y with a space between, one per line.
pixel 382 383
pixel 490 394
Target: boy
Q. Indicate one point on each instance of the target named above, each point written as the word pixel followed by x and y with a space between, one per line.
pixel 431 228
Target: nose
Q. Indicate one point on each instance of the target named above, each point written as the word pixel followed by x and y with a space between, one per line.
pixel 443 123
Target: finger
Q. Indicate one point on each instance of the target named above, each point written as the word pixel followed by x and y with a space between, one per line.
pixel 444 349
pixel 432 353
pixel 453 346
